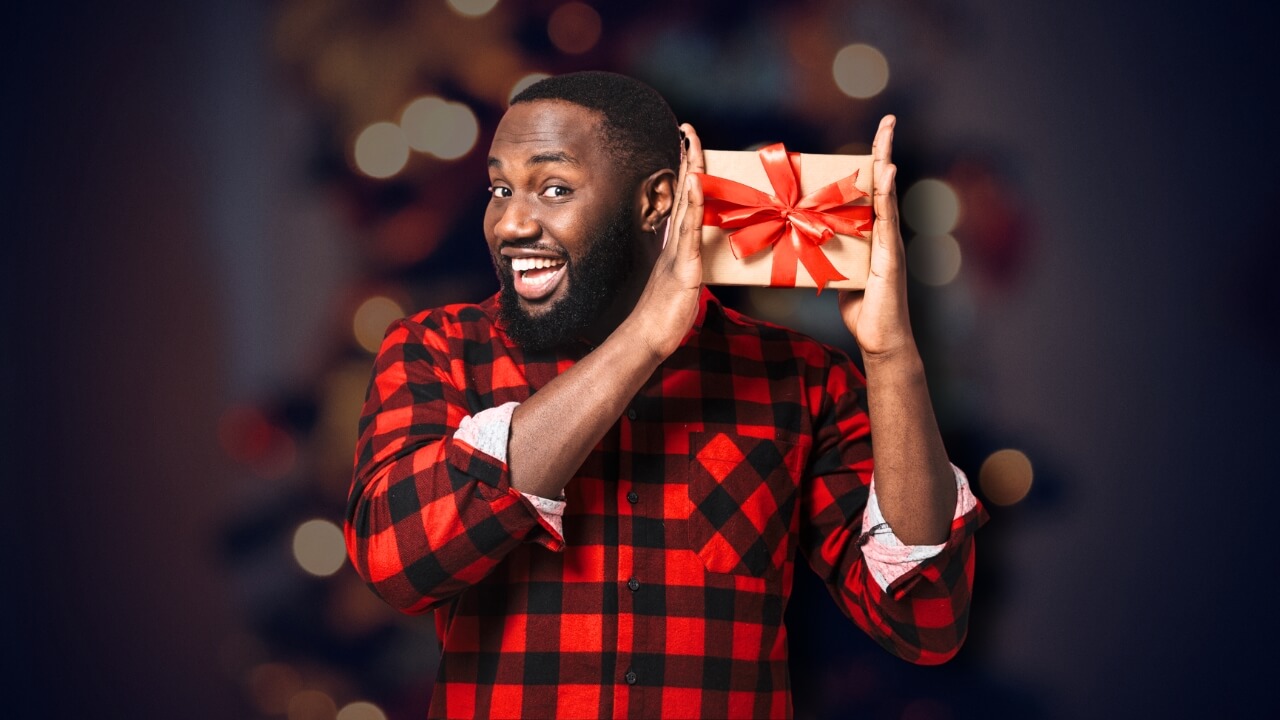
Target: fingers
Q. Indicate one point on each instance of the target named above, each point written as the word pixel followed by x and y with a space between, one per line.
pixel 682 221
pixel 887 239
pixel 693 149
pixel 882 146
pixel 886 199
pixel 677 197
pixel 883 172
pixel 690 247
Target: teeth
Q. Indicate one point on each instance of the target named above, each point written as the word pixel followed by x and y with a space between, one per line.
pixel 534 263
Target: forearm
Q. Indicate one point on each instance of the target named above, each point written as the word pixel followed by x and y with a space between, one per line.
pixel 915 485
pixel 554 430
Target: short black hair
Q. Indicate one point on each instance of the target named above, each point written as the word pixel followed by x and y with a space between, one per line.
pixel 640 131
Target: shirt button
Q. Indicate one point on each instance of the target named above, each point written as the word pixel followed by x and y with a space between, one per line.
pixel 631 413
pixel 633 497
pixel 630 677
pixel 634 584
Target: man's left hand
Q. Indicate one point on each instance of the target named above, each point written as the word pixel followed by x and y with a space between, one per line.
pixel 877 315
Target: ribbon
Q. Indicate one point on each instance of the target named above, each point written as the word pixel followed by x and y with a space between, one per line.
pixel 757 220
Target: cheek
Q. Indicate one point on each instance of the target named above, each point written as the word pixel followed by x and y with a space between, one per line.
pixel 578 231
pixel 491 218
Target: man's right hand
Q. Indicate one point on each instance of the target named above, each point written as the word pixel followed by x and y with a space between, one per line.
pixel 666 309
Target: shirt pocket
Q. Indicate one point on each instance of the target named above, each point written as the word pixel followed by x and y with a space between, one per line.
pixel 743 495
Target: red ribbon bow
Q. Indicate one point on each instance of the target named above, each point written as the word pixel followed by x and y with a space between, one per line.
pixel 757 220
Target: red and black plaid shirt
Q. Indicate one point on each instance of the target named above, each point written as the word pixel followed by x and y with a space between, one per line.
pixel 665 596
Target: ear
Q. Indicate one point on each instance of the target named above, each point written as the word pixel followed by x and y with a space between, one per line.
pixel 657 198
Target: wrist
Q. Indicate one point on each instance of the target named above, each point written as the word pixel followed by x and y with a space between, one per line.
pixel 902 364
pixel 638 341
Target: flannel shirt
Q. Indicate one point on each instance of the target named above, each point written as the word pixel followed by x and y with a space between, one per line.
pixel 663 593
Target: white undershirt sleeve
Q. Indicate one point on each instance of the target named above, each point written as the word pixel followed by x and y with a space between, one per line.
pixel 489 431
pixel 887 557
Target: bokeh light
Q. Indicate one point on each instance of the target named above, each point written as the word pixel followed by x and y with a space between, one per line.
pixel 361 711
pixel 372 318
pixel 525 82
pixel 419 120
pixel 934 259
pixel 319 548
pixel 312 705
pixel 271 686
pixel 574 28
pixel 931 207
pixel 381 150
pixel 432 125
pixel 472 8
pixel 860 71
pixel 1005 476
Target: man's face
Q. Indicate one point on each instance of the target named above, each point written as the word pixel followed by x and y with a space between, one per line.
pixel 559 222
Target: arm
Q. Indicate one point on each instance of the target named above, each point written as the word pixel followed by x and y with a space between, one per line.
pixel 914 481
pixel 921 612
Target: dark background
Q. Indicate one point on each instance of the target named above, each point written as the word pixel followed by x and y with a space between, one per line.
pixel 183 237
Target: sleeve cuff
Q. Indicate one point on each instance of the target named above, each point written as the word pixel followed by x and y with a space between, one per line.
pixel 887 558
pixel 551 511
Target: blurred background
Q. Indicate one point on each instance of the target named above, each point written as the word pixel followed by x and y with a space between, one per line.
pixel 213 210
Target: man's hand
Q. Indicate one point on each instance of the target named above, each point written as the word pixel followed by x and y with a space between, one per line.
pixel 877 316
pixel 669 303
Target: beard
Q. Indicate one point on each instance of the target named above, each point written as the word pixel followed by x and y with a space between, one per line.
pixel 594 278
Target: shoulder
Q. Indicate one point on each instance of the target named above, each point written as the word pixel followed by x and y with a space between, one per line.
pixel 446 329
pixel 455 320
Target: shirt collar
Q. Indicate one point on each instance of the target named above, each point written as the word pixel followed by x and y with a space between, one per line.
pixel 705 300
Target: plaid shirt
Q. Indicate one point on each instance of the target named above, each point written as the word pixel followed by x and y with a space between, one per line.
pixel 664 595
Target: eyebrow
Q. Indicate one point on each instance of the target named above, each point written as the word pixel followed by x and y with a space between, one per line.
pixel 557 156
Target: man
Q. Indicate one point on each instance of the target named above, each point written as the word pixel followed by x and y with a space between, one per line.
pixel 600 478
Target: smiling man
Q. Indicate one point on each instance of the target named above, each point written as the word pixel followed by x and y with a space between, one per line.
pixel 600 479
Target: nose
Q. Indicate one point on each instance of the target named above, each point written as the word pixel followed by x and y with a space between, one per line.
pixel 517 222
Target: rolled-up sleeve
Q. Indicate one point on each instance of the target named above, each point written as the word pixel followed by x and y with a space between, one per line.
pixel 888 558
pixel 430 513
pixel 489 431
pixel 913 601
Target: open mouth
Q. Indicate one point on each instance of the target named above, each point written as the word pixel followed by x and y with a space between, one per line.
pixel 537 276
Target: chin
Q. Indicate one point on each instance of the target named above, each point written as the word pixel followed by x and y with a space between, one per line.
pixel 541 308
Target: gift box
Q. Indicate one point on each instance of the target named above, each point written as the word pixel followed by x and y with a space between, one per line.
pixel 781 219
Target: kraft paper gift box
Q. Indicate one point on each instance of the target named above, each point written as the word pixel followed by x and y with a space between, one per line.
pixel 799 215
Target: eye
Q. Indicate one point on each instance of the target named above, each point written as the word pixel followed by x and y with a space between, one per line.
pixel 557 191
pixel 499 191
